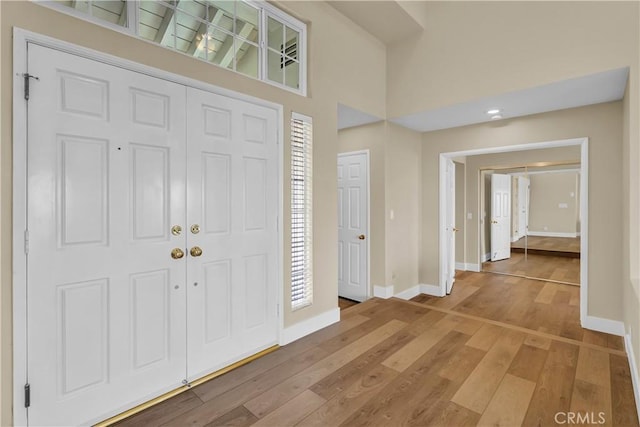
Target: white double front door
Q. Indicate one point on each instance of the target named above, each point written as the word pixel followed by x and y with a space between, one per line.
pixel 152 225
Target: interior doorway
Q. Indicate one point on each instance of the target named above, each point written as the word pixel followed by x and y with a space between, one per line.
pixel 476 220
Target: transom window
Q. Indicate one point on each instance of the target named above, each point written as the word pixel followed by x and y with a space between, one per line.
pixel 249 37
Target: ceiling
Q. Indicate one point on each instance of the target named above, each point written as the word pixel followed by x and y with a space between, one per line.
pixel 587 90
pixel 388 21
pixel 350 117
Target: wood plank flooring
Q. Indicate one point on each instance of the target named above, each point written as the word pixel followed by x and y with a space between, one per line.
pixel 551 244
pixel 344 303
pixel 545 267
pixel 498 351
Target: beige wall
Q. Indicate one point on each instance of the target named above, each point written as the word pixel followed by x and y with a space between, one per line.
pixel 371 137
pixel 473 49
pixel 334 75
pixel 631 207
pixel 395 179
pixel 602 124
pixel 403 184
pixel 548 191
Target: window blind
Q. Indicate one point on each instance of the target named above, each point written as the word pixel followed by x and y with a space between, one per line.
pixel 301 211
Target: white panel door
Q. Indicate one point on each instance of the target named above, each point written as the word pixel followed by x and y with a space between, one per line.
pixel 106 179
pixel 353 213
pixel 451 227
pixel 232 217
pixel 500 217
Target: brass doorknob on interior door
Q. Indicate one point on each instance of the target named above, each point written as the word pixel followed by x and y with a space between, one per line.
pixel 361 237
pixel 494 222
pixel 177 253
pixel 455 229
pixel 195 251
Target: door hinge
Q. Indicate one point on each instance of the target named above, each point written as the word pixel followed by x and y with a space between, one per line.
pixel 27 395
pixel 26 242
pixel 26 77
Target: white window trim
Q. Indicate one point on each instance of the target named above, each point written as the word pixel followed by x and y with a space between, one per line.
pixel 265 9
pixel 307 300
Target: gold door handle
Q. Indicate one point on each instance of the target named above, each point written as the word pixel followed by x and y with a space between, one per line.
pixel 455 229
pixel 494 222
pixel 177 253
pixel 195 251
pixel 361 237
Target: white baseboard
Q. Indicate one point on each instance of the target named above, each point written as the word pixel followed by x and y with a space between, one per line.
pixel 409 293
pixel 468 267
pixel 308 326
pixel 613 327
pixel 474 267
pixel 420 289
pixel 633 367
pixel 550 234
pixel 434 290
pixel 383 291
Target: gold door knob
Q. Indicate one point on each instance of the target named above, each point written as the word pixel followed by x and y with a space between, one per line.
pixel 195 251
pixel 455 229
pixel 494 222
pixel 177 253
pixel 195 228
pixel 361 237
pixel 176 230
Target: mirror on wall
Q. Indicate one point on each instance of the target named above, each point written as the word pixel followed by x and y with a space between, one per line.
pixel 530 224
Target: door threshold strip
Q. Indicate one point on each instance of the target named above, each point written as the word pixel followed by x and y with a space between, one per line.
pixel 168 395
pixel 532 278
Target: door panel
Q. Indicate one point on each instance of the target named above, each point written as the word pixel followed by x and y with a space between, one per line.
pixel 106 309
pixel 353 205
pixel 233 194
pixel 500 217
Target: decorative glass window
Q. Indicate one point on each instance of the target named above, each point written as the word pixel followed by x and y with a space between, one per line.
pixel 249 37
pixel 301 211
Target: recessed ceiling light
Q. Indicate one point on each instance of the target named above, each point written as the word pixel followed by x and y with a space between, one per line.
pixel 494 111
pixel 496 117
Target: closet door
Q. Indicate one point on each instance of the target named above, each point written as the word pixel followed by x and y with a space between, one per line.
pixel 232 193
pixel 106 183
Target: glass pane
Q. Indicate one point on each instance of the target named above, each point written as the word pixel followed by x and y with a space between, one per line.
pixel 156 23
pixel 246 20
pixel 220 48
pixel 221 13
pixel 274 34
pixel 112 11
pixel 274 67
pixel 248 60
pixel 193 8
pixel 187 30
pixel 292 74
pixel 292 37
pixel 80 5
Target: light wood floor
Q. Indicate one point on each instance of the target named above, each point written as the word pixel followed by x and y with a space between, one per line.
pixel 345 303
pixel 552 244
pixel 428 362
pixel 544 267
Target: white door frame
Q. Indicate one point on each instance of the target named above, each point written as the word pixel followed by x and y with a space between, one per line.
pixel 19 287
pixel 368 232
pixel 585 320
pixel 450 238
